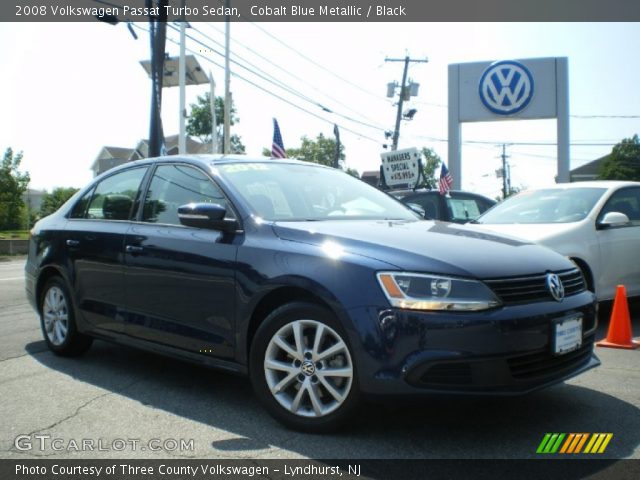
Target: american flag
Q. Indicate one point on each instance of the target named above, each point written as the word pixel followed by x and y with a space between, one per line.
pixel 277 147
pixel 446 180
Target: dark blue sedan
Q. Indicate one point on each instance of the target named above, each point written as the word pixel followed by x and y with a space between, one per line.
pixel 321 288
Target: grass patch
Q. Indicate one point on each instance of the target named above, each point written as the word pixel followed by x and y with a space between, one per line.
pixel 14 235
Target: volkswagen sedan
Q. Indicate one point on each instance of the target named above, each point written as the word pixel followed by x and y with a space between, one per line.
pixel 320 288
pixel 596 224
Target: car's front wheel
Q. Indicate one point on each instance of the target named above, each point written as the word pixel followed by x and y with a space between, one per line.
pixel 302 368
pixel 57 320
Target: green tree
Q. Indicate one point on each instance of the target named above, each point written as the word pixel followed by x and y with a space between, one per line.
pixel 200 121
pixel 623 163
pixel 430 162
pixel 54 200
pixel 13 184
pixel 321 150
pixel 353 172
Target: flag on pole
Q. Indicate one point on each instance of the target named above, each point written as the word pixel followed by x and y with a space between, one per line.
pixel 446 180
pixel 277 147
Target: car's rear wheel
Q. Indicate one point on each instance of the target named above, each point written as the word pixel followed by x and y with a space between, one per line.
pixel 57 320
pixel 302 368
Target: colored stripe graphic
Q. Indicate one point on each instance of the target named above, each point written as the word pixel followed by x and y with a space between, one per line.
pixel 581 442
pixel 568 442
pixel 543 443
pixel 598 443
pixel 574 442
pixel 550 443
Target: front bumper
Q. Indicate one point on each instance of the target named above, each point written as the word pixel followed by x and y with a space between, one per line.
pixel 504 351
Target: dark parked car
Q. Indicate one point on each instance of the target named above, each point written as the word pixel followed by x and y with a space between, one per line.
pixel 321 288
pixel 457 206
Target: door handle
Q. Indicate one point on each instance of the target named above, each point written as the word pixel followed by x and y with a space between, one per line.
pixel 73 243
pixel 133 249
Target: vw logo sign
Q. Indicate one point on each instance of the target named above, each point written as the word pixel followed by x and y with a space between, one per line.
pixel 554 284
pixel 506 87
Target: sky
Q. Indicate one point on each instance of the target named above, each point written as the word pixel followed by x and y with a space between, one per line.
pixel 68 89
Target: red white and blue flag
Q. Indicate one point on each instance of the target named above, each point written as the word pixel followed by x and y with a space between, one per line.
pixel 446 180
pixel 277 147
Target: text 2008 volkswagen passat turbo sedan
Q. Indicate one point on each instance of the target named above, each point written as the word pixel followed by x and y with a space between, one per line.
pixel 321 288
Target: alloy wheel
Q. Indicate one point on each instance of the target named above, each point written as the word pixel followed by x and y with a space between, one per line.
pixel 308 368
pixel 56 316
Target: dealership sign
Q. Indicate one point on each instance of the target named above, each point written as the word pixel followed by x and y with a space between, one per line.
pixel 506 87
pixel 508 90
pixel 401 167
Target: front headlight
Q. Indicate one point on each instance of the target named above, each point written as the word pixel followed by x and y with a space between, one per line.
pixel 417 291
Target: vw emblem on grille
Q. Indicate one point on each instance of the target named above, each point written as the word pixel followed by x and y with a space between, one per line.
pixel 554 284
pixel 308 368
pixel 506 87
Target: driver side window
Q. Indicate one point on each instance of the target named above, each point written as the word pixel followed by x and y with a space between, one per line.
pixel 173 186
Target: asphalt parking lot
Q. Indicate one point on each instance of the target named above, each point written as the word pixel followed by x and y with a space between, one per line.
pixel 115 393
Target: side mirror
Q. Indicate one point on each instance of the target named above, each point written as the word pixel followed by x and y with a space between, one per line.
pixel 613 219
pixel 417 209
pixel 206 215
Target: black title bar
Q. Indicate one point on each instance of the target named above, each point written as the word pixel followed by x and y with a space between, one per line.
pixel 324 10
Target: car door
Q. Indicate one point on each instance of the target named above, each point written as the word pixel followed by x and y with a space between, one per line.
pixel 94 237
pixel 619 246
pixel 429 202
pixel 180 282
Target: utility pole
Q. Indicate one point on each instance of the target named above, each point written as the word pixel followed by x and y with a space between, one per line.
pixel 405 94
pixel 227 82
pixel 506 174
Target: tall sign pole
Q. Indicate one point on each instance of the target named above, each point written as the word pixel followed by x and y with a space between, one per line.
pixel 182 73
pixel 158 31
pixel 212 104
pixel 227 83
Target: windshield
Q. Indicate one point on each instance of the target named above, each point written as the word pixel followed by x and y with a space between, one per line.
pixel 551 205
pixel 289 192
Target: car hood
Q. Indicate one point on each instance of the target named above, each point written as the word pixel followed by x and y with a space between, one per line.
pixel 533 232
pixel 428 246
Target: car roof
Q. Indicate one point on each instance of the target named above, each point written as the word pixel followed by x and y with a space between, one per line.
pixel 403 193
pixel 215 159
pixel 208 160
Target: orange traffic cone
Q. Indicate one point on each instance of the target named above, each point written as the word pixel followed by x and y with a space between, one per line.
pixel 619 334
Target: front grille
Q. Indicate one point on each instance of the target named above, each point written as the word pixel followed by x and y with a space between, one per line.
pixel 545 364
pixel 534 288
pixel 449 374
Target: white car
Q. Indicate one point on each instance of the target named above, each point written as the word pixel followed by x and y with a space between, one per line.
pixel 596 224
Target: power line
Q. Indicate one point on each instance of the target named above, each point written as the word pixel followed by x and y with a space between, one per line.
pixel 265 76
pixel 308 99
pixel 288 72
pixel 302 55
pixel 444 105
pixel 604 116
pixel 250 82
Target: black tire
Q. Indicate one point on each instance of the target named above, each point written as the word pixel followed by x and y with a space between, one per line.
pixel 329 394
pixel 57 320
